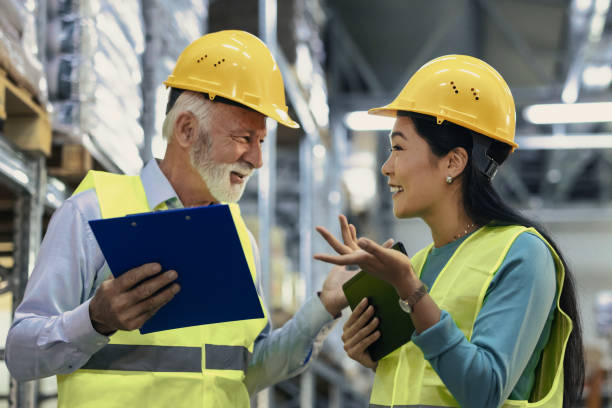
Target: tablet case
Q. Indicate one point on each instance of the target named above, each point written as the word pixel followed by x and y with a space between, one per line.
pixel 395 325
pixel 202 245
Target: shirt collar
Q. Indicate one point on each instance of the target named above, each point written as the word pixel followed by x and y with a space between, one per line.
pixel 156 186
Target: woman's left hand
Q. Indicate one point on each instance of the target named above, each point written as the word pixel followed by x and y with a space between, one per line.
pixel 385 263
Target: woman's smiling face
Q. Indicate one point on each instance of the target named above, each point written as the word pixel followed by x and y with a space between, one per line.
pixel 416 176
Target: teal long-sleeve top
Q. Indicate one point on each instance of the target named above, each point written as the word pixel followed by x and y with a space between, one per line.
pixel 510 331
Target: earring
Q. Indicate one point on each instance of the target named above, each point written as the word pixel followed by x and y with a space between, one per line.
pixel 449 180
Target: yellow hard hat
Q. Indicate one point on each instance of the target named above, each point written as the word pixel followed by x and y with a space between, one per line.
pixel 237 66
pixel 463 90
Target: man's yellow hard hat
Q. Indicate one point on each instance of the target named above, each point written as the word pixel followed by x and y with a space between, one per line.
pixel 237 66
pixel 463 90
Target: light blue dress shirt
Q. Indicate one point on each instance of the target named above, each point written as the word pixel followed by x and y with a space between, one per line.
pixel 510 331
pixel 52 332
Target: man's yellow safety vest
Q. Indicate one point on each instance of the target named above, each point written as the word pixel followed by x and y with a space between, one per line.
pixel 405 379
pixel 201 366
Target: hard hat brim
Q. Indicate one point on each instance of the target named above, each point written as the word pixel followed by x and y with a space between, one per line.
pixel 391 111
pixel 271 111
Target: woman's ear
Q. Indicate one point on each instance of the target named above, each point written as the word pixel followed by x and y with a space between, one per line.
pixel 456 161
pixel 185 129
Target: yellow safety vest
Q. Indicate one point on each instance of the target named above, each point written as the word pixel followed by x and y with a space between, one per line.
pixel 405 378
pixel 201 366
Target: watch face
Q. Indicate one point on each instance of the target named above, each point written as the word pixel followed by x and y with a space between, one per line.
pixel 405 306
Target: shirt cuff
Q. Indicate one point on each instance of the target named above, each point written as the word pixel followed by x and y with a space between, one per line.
pixel 438 338
pixel 312 317
pixel 80 332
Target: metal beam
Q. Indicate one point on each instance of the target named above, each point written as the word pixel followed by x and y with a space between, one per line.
pixel 510 177
pixel 516 40
pixel 571 170
pixel 266 179
pixel 28 234
pixel 581 44
pixel 434 40
pixel 15 168
pixel 350 49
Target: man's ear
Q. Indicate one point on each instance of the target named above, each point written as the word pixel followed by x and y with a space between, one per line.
pixel 456 161
pixel 185 129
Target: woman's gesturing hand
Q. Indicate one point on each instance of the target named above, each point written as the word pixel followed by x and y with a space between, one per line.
pixel 332 295
pixel 379 260
pixel 359 332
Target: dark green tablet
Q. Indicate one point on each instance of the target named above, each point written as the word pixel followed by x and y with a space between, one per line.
pixel 395 325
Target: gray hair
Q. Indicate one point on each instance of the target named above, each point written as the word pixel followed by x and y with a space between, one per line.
pixel 187 101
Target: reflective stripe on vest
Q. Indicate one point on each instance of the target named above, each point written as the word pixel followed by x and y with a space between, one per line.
pixel 126 357
pixel 405 378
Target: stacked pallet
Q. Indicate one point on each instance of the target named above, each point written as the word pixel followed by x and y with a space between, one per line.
pixel 18 49
pixel 94 73
pixel 23 89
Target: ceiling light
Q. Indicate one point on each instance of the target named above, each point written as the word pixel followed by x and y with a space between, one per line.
pixel 361 120
pixel 569 142
pixel 583 5
pixel 569 113
pixel 597 77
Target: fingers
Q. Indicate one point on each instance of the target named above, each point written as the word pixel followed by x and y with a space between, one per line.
pixel 389 243
pixel 333 242
pixel 353 232
pixel 132 277
pixel 361 306
pixel 351 333
pixel 371 247
pixel 358 351
pixel 357 257
pixel 149 288
pixel 347 235
pixel 151 305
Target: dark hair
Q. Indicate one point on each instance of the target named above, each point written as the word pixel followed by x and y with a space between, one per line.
pixel 483 205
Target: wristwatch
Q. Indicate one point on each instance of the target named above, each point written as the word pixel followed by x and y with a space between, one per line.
pixel 407 304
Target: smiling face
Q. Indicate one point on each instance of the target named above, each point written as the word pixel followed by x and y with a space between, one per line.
pixel 416 176
pixel 228 150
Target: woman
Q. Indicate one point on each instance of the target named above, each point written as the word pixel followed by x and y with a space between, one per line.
pixel 499 326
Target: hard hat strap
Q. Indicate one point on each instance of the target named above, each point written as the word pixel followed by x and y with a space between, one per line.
pixel 480 157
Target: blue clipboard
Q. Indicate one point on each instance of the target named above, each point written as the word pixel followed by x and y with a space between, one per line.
pixel 202 245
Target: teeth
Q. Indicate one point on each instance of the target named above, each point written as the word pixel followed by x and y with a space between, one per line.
pixel 395 189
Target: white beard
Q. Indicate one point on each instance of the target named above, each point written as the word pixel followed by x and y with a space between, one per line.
pixel 217 175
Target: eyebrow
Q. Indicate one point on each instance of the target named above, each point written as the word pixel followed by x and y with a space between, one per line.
pixel 400 134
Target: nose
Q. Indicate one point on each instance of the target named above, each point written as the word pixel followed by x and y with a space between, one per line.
pixel 387 167
pixel 254 155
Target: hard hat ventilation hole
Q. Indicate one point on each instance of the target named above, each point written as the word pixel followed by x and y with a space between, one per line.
pixel 454 87
pixel 475 93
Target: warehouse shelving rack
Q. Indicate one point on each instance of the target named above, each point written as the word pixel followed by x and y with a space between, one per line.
pixel 25 140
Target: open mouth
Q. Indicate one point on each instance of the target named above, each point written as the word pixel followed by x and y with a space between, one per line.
pixel 395 189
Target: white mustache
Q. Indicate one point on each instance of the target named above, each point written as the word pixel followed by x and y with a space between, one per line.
pixel 242 169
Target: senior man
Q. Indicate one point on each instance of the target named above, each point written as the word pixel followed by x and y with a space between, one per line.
pixel 78 323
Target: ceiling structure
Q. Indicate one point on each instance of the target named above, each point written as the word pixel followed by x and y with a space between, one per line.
pixel 549 51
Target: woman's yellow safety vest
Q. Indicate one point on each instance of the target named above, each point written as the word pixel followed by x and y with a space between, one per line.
pixel 201 366
pixel 405 379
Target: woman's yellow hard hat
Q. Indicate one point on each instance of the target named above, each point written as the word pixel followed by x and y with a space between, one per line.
pixel 234 65
pixel 463 90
